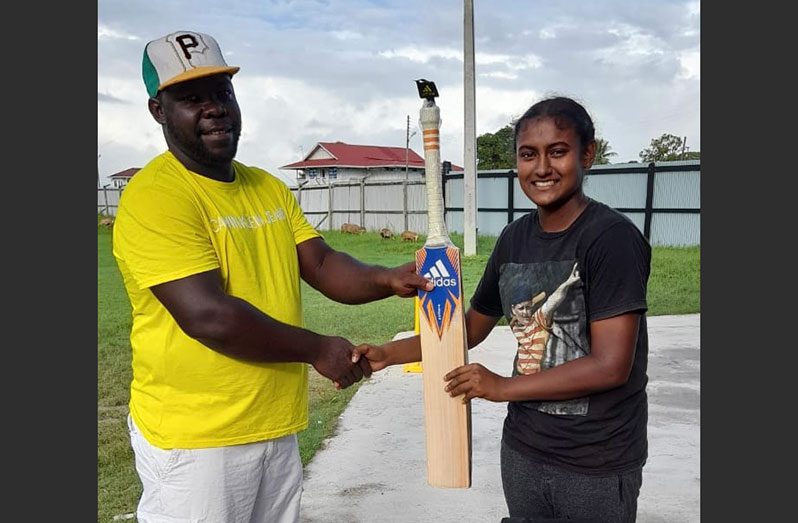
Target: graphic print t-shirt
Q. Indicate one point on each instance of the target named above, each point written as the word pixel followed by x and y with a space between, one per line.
pixel 550 286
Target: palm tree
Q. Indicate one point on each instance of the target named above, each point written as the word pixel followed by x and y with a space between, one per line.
pixel 603 152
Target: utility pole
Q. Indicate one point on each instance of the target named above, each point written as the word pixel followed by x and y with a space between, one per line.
pixel 684 147
pixel 408 136
pixel 99 155
pixel 407 144
pixel 470 140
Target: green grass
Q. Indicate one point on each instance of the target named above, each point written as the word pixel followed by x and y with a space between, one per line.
pixel 118 485
pixel 675 281
pixel 674 288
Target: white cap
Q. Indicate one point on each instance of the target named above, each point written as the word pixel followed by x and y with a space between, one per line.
pixel 181 56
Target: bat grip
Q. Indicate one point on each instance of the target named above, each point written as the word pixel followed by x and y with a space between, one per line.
pixel 437 233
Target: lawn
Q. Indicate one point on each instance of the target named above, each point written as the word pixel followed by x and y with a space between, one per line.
pixel 674 288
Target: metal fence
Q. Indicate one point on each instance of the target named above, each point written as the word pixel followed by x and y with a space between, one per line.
pixel 108 200
pixel 663 199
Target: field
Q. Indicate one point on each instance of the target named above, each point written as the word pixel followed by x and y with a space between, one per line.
pixel 674 288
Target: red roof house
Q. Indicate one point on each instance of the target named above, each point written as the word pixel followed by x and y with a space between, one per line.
pixel 121 178
pixel 339 160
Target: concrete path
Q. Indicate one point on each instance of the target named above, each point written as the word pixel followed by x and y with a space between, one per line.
pixel 374 469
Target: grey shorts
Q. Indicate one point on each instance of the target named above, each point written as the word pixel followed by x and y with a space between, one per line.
pixel 537 492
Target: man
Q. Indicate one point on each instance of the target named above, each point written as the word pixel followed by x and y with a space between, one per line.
pixel 211 252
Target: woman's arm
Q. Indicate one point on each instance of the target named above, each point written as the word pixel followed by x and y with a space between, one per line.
pixel 408 350
pixel 608 365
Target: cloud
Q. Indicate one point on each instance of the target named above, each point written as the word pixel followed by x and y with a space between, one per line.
pixel 109 98
pixel 106 33
pixel 324 70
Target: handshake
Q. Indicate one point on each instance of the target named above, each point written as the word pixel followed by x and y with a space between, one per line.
pixel 345 364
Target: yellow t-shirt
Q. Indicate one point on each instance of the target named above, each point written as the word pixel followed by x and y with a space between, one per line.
pixel 173 223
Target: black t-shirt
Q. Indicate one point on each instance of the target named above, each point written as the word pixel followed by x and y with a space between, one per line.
pixel 550 286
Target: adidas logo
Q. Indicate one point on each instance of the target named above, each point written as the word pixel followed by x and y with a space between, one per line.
pixel 440 276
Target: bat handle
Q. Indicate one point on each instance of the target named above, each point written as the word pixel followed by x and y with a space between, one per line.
pixel 430 121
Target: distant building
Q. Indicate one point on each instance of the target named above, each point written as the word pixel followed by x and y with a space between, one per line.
pixel 331 161
pixel 120 179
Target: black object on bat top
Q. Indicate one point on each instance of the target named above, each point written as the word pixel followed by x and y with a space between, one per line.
pixel 426 89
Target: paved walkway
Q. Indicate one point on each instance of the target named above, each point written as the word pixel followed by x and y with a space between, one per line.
pixel 374 469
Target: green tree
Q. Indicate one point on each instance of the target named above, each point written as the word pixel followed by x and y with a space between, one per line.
pixel 692 155
pixel 603 152
pixel 667 148
pixel 495 150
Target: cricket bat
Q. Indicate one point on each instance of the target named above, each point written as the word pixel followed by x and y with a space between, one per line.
pixel 447 420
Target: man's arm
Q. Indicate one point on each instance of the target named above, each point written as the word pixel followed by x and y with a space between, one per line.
pixel 234 327
pixel 344 279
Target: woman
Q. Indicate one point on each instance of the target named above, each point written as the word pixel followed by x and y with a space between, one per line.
pixel 571 278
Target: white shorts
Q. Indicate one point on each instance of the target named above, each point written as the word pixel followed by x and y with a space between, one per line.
pixel 252 483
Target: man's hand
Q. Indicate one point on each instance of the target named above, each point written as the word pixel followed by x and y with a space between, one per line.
pixel 475 381
pixel 375 356
pixel 405 282
pixel 334 361
pixel 345 279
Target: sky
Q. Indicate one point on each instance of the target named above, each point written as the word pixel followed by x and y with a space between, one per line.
pixel 344 70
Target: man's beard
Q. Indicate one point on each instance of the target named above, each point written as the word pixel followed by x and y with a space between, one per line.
pixel 192 145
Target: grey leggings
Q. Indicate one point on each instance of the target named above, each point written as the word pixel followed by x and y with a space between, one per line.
pixel 539 492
